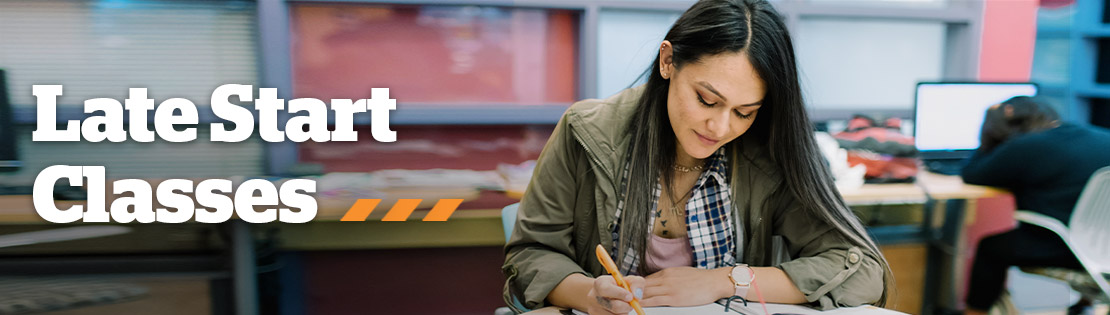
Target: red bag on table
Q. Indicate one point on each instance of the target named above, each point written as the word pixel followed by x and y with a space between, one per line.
pixel 890 156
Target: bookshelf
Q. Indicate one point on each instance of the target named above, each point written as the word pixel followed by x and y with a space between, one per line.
pixel 1090 63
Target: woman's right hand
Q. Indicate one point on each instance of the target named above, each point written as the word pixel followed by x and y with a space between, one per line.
pixel 606 297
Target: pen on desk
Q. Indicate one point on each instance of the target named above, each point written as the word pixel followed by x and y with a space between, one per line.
pixel 611 267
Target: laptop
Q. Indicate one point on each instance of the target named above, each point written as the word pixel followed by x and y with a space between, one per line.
pixel 948 117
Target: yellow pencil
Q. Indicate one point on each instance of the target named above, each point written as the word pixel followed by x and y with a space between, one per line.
pixel 611 267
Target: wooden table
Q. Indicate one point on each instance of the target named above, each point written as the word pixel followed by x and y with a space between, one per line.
pixel 940 187
pixel 482 227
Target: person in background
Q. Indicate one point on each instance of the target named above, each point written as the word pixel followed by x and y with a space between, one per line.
pixel 702 182
pixel 1045 164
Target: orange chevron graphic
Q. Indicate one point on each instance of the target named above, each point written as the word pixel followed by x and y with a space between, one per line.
pixel 402 210
pixel 443 210
pixel 360 210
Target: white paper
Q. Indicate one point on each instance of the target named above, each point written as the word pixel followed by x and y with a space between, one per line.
pixel 711 308
pixel 788 309
pixel 756 309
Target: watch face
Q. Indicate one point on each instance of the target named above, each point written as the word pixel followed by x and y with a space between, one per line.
pixel 742 275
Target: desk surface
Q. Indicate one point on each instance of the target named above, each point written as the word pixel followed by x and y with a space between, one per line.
pixel 940 187
pixel 482 227
pixel 19 209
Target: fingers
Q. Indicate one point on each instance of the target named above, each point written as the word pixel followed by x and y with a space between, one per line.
pixel 656 296
pixel 637 284
pixel 612 298
pixel 603 305
pixel 615 306
pixel 658 290
pixel 606 287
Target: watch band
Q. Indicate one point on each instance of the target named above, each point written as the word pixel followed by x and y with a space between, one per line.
pixel 741 288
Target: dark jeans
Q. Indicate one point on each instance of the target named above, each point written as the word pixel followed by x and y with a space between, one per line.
pixel 1025 246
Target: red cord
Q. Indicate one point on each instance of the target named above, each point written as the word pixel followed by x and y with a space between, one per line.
pixel 759 294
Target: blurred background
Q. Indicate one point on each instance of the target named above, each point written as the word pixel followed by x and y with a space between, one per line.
pixel 479 86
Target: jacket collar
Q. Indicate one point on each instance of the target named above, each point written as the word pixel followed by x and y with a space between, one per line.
pixel 600 125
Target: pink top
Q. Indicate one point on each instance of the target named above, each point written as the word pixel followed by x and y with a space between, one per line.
pixel 664 253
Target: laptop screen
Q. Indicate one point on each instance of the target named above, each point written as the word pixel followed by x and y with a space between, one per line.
pixel 948 116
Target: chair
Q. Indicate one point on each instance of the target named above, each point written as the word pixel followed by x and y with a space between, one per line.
pixel 1086 235
pixel 508 220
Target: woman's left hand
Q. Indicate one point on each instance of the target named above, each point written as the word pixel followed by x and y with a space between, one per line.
pixel 687 286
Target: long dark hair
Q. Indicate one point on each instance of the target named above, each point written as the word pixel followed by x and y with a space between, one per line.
pixel 712 27
pixel 1016 116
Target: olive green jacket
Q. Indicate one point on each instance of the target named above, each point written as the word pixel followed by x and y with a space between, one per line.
pixel 569 208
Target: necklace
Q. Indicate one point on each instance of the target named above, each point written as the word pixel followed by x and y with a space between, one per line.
pixel 679 206
pixel 686 169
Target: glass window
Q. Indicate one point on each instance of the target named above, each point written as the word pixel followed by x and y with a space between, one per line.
pixel 102 48
pixel 628 42
pixel 867 64
pixel 1050 61
pixel 435 54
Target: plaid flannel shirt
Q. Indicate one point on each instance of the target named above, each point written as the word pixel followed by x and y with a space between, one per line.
pixel 708 219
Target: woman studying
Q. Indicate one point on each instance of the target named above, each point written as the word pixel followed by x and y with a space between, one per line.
pixel 700 182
